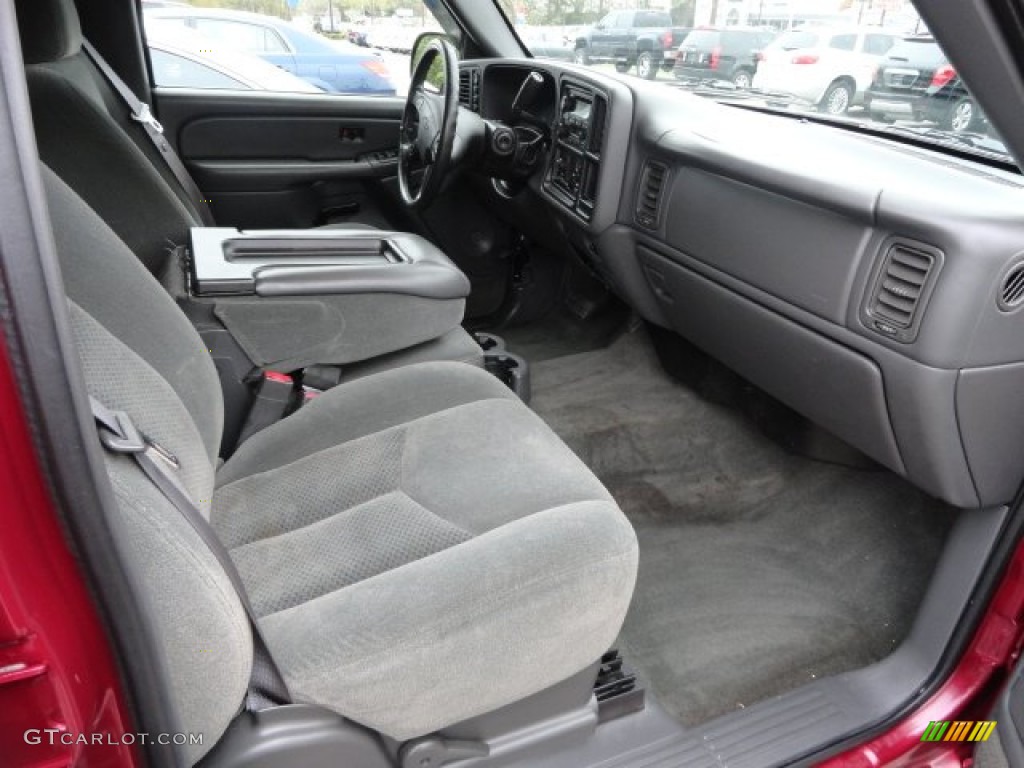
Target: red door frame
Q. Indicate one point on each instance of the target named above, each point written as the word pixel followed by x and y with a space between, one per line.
pixel 60 693
pixel 969 693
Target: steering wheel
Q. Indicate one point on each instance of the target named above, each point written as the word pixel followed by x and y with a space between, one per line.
pixel 428 125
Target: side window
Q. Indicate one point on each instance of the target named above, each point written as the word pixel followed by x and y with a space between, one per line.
pixel 173 71
pixel 649 19
pixel 878 45
pixel 170 22
pixel 237 35
pixel 272 42
pixel 323 48
pixel 623 19
pixel 732 43
pixel 608 21
pixel 843 42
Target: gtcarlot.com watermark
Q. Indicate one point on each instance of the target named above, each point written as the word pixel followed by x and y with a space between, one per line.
pixel 58 736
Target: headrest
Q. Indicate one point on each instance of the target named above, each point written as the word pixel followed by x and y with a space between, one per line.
pixel 50 30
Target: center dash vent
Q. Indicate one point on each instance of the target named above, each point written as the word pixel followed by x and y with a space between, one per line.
pixel 469 89
pixel 648 197
pixel 902 284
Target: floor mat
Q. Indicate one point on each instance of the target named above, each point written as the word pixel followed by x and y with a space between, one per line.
pixel 759 570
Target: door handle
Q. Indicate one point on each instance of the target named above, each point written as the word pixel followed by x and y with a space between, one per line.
pixel 351 133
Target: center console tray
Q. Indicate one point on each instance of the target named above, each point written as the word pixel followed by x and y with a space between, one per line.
pixel 230 262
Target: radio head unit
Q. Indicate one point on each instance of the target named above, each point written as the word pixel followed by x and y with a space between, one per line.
pixel 575 164
pixel 574 118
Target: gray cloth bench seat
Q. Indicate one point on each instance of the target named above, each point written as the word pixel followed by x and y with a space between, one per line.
pixel 420 547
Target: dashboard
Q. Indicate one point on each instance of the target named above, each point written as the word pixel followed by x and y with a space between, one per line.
pixel 874 286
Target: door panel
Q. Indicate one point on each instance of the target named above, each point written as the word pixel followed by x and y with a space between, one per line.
pixel 338 137
pixel 288 160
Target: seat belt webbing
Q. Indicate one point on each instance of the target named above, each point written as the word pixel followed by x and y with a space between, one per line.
pixel 118 434
pixel 141 113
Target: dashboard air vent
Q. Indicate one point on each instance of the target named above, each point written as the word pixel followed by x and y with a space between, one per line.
pixel 599 118
pixel 648 198
pixel 901 286
pixel 1011 290
pixel 469 89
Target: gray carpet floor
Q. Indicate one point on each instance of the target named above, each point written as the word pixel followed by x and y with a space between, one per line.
pixel 760 570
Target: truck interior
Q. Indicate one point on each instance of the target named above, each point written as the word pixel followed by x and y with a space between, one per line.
pixel 532 419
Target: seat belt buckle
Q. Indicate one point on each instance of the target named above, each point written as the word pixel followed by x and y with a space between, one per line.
pixel 129 441
pixel 275 398
pixel 317 379
pixel 282 388
pixel 145 116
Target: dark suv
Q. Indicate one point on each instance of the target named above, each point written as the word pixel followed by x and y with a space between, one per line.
pixel 721 54
pixel 916 81
pixel 642 38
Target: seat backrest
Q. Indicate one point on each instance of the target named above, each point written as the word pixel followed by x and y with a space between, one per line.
pixel 141 355
pixel 86 136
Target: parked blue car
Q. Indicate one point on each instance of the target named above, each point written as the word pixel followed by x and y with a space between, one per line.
pixel 332 66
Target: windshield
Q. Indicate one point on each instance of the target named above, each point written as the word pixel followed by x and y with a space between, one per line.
pixel 701 37
pixel 870 64
pixel 651 19
pixel 921 52
pixel 301 46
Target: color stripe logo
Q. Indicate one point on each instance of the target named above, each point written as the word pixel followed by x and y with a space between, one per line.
pixel 959 730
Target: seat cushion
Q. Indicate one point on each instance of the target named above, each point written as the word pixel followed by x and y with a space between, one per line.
pixel 455 346
pixel 429 552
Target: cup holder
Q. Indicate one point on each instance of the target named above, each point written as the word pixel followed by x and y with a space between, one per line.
pixel 489 342
pixel 513 370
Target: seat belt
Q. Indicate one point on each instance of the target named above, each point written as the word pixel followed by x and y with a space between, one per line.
pixel 141 113
pixel 119 435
